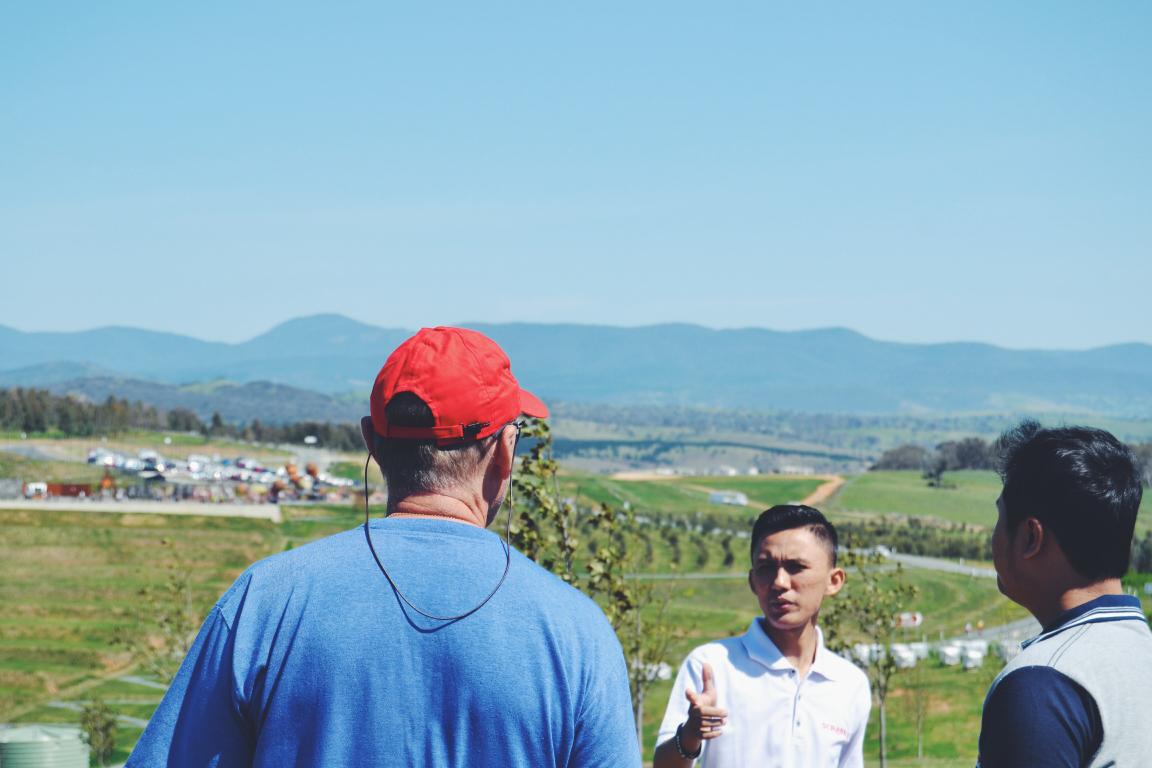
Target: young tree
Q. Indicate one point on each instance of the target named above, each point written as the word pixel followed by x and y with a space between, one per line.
pixel 98 722
pixel 934 468
pixel 902 457
pixel 165 621
pixel 918 691
pixel 868 608
pixel 544 528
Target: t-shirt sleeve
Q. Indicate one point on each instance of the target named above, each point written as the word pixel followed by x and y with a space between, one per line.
pixel 605 731
pixel 1037 717
pixel 199 721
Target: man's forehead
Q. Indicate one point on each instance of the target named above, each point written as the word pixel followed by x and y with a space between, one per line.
pixel 792 543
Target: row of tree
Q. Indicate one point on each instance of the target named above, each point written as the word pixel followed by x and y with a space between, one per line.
pixel 40 411
pixel 835 430
pixel 970 453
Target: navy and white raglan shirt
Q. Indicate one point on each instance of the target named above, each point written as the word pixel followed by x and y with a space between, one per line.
pixel 1078 694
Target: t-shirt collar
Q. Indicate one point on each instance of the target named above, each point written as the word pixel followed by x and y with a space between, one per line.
pixel 762 650
pixel 1103 608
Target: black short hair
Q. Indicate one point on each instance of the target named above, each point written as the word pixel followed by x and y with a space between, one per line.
pixel 785 517
pixel 1082 484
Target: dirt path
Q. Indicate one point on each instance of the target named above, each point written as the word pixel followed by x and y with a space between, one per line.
pixel 824 491
pixel 641 474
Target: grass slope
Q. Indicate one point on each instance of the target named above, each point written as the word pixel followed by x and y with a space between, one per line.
pixel 969 498
pixel 32 470
pixel 69 580
pixel 686 495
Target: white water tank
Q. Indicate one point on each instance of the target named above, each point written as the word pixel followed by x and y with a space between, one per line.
pixel 42 746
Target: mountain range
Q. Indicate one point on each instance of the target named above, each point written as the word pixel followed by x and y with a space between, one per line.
pixel 322 366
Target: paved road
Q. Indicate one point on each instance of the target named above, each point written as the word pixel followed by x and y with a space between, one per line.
pixel 940 564
pixel 258 511
pixel 29 452
pixel 908 561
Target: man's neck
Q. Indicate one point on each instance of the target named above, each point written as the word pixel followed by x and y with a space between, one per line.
pixel 797 646
pixel 435 506
pixel 1073 597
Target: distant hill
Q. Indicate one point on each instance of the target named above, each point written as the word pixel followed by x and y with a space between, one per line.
pixel 823 371
pixel 263 400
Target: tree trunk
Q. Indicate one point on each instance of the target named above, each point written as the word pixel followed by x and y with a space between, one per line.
pixel 640 719
pixel 639 703
pixel 919 736
pixel 883 736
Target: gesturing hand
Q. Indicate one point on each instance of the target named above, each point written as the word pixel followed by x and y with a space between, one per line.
pixel 705 719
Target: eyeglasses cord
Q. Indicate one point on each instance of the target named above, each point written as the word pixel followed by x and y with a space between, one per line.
pixel 507 548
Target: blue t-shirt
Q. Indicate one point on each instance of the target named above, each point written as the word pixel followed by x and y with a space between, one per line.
pixel 310 658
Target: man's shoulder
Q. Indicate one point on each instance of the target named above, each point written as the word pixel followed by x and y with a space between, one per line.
pixel 718 651
pixel 1073 648
pixel 317 555
pixel 1036 709
pixel 308 566
pixel 551 592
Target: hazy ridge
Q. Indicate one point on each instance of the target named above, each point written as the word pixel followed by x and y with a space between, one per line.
pixel 303 367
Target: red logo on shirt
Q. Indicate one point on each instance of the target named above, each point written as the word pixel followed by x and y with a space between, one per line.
pixel 836 729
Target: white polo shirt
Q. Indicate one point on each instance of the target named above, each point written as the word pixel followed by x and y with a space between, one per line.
pixel 774 717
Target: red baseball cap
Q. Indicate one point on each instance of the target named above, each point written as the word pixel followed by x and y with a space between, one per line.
pixel 464 378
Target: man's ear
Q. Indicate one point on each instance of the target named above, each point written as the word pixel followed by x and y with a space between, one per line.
pixel 504 454
pixel 1030 535
pixel 368 433
pixel 835 581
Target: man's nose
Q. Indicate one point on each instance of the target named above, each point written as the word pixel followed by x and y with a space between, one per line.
pixel 781 580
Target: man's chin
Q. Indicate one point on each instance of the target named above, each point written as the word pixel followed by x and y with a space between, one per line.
pixel 784 622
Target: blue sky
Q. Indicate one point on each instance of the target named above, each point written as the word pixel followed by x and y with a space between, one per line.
pixel 915 171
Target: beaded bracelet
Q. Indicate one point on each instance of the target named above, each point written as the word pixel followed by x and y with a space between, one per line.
pixel 680 747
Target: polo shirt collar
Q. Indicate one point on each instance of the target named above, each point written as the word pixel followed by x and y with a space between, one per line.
pixel 763 651
pixel 1103 608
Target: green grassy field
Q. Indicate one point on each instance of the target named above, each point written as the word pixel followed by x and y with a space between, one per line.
pixel 686 495
pixel 55 640
pixel 969 499
pixel 972 500
pixel 69 580
pixel 31 470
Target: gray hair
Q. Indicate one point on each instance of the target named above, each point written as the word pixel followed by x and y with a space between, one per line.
pixel 413 467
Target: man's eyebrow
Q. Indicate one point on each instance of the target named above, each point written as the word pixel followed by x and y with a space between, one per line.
pixel 782 560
